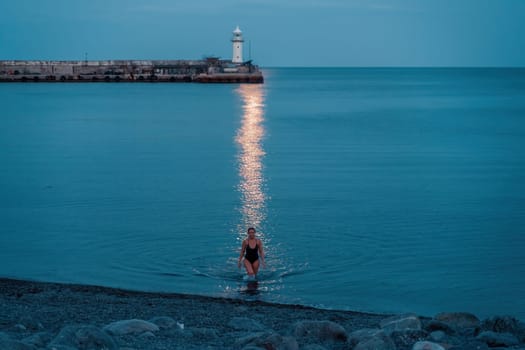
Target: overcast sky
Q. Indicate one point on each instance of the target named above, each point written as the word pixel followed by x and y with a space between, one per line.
pixel 281 33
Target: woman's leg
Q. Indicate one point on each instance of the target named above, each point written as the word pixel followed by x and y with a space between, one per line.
pixel 249 267
pixel 255 266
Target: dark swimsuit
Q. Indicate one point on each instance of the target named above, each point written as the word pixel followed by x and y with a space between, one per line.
pixel 252 254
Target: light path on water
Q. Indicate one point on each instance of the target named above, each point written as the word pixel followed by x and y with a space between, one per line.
pixel 253 210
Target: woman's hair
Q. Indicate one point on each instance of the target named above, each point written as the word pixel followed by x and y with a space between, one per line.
pixel 251 228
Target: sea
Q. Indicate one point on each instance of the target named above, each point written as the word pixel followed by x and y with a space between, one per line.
pixel 384 190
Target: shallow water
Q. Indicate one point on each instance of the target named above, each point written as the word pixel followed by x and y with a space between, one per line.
pixel 385 190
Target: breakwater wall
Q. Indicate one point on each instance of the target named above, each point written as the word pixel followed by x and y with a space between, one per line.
pixel 210 70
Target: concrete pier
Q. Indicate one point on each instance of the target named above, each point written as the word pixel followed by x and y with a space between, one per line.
pixel 210 70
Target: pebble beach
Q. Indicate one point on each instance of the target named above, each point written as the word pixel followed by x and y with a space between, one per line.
pixel 52 316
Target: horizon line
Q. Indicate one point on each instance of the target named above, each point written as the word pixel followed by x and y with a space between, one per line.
pixel 290 66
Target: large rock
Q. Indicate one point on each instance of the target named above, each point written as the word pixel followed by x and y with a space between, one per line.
pixel 249 339
pixel 505 324
pixel 84 338
pixel 245 324
pixel 276 341
pixel 459 320
pixel 163 322
pixel 131 327
pixel 363 335
pixel 405 339
pixel 401 323
pixel 426 345
pixel 324 331
pixel 267 340
pixel 438 336
pixel 378 342
pixel 494 339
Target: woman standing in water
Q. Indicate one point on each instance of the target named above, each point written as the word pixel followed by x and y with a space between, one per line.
pixel 252 251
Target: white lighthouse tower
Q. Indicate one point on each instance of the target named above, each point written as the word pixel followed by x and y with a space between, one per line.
pixel 237 45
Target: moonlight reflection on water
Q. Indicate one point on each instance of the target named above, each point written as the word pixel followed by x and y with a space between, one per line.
pixel 249 140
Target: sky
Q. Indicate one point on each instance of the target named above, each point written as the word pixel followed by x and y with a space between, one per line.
pixel 302 33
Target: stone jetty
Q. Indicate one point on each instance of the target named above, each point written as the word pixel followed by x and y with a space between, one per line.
pixel 209 70
pixel 50 316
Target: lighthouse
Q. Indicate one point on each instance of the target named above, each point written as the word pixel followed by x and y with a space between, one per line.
pixel 237 45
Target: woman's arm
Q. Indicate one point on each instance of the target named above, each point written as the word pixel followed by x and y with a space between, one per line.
pixel 243 248
pixel 261 253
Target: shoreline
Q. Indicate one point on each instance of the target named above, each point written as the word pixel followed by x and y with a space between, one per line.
pixel 36 286
pixel 47 315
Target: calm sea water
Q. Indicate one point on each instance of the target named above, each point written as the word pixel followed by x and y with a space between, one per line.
pixel 384 190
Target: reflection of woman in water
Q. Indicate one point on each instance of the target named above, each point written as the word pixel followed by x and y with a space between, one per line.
pixel 252 251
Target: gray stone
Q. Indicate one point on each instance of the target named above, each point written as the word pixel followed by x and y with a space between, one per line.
pixel 458 320
pixel 494 339
pixel 405 339
pixel 91 337
pixel 268 340
pixel 14 345
pixel 426 345
pixel 400 323
pixel 501 324
pixel 379 342
pixel 163 322
pixel 66 337
pixel 362 335
pixel 438 336
pixel 325 331
pixel 248 339
pixel 469 332
pixel 39 340
pixel 276 341
pixel 245 324
pixel 83 338
pixel 131 327
pixel 505 324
